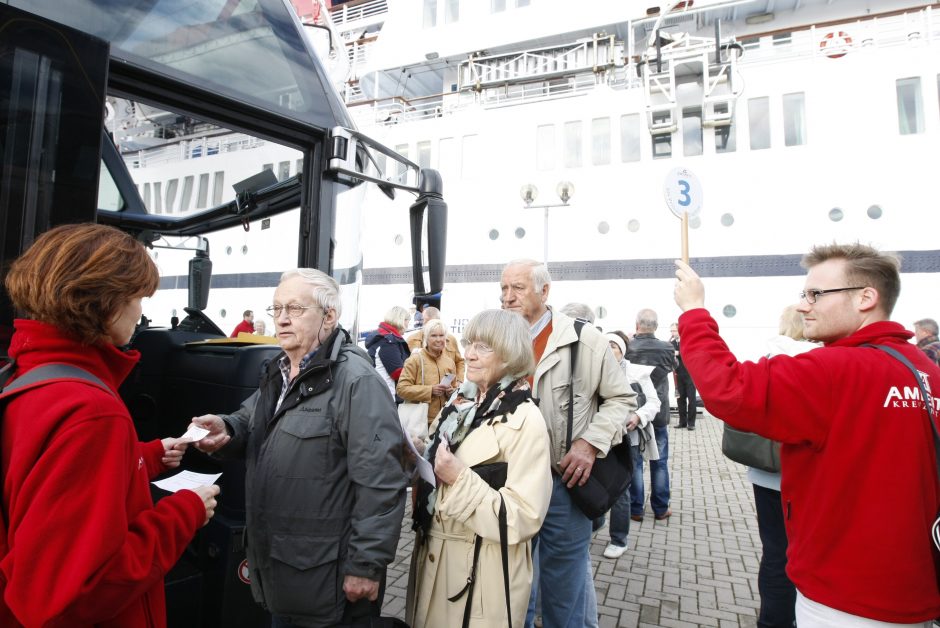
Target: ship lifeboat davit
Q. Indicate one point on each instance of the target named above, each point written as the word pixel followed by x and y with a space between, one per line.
pixel 835 44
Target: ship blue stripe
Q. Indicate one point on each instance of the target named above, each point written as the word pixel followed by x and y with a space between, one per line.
pixel 588 270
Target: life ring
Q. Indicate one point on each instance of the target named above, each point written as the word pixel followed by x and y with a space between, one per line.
pixel 837 43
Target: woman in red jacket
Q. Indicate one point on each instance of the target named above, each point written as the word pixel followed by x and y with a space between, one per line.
pixel 86 544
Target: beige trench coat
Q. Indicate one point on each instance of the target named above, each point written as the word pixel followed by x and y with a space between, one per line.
pixel 470 507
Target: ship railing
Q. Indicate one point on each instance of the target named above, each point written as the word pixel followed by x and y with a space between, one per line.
pixel 190 149
pixel 361 14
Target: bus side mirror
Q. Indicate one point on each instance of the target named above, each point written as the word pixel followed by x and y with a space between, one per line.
pixel 200 274
pixel 428 216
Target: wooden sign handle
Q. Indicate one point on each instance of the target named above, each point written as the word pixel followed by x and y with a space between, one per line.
pixel 685 238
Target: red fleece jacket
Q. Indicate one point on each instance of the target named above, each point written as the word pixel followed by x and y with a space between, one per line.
pixel 87 545
pixel 859 484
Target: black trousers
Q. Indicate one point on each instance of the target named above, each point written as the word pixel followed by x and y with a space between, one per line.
pixel 777 593
pixel 686 403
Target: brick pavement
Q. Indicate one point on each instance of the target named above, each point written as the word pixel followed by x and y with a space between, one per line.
pixel 698 568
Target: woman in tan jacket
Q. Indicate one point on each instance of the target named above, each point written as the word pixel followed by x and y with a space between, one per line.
pixel 423 372
pixel 492 419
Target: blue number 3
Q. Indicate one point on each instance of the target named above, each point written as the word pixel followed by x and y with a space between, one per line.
pixel 686 200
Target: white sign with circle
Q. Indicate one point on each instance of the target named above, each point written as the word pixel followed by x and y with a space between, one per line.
pixel 683 193
pixel 243 572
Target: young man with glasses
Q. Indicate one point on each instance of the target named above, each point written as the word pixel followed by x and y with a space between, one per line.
pixel 859 477
pixel 325 487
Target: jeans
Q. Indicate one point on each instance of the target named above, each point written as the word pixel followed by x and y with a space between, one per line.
pixel 659 478
pixel 686 390
pixel 590 596
pixel 777 593
pixel 563 555
pixel 621 510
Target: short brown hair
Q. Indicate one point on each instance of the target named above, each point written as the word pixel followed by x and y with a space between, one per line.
pixel 865 266
pixel 77 277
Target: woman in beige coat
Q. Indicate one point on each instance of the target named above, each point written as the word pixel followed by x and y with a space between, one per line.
pixel 492 419
pixel 424 371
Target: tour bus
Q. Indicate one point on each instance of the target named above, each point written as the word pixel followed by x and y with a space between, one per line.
pixel 243 66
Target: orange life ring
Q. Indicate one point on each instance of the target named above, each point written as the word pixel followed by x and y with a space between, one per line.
pixel 837 42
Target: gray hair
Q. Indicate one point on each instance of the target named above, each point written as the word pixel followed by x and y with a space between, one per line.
pixel 325 289
pixel 538 272
pixel 507 333
pixel 430 313
pixel 398 317
pixel 646 321
pixel 579 310
pixel 431 325
pixel 929 325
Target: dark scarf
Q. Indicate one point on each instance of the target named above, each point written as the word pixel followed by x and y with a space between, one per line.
pixel 500 401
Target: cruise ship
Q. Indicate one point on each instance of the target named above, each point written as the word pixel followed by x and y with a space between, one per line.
pixel 559 130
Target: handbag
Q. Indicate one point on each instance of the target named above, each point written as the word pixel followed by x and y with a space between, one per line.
pixel 414 416
pixel 610 475
pixel 928 403
pixel 750 449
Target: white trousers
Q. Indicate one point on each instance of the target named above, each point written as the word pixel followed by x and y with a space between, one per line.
pixel 810 614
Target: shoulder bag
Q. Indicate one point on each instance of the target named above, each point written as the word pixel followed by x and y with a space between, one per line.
pixel 610 475
pixel 414 416
pixel 750 449
pixel 931 418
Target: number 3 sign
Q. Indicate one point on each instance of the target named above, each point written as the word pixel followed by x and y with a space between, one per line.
pixel 683 193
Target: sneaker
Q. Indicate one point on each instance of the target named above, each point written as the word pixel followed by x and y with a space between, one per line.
pixel 614 551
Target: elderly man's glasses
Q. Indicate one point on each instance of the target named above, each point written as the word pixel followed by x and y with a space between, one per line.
pixel 480 348
pixel 811 295
pixel 294 310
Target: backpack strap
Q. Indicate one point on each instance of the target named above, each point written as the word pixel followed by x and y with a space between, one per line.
pixel 578 324
pixel 49 373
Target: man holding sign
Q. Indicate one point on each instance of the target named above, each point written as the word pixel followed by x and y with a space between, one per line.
pixel 860 483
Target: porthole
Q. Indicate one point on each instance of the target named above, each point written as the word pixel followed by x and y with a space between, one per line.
pixel 228 250
pixel 520 232
pixel 633 226
pixel 600 311
pixel 695 222
pixel 494 234
pixel 729 311
pixel 222 313
pixel 244 249
pixel 836 214
pixel 874 212
pixel 399 240
pixel 727 220
pixel 603 228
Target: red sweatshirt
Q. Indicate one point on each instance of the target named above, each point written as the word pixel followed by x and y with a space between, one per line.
pixel 87 545
pixel 859 485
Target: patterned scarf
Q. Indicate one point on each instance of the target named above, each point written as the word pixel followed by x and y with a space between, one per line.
pixel 458 419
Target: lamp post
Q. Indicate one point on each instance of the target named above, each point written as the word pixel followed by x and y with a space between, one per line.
pixel 528 192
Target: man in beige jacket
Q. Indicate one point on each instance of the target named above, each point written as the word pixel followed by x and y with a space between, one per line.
pixel 602 402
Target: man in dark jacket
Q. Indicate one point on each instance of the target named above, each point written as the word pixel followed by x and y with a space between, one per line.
pixel 647 349
pixel 685 387
pixel 324 488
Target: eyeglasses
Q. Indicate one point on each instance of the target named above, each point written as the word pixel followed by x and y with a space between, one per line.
pixel 294 310
pixel 811 295
pixel 480 348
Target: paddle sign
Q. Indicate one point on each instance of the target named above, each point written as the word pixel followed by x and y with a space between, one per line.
pixel 683 194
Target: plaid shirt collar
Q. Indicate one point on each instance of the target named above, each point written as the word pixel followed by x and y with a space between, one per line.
pixel 284 365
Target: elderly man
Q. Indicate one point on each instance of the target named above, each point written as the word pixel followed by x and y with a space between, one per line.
pixel 325 486
pixel 602 402
pixel 925 333
pixel 857 456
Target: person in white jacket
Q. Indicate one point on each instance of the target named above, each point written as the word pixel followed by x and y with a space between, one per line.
pixel 642 440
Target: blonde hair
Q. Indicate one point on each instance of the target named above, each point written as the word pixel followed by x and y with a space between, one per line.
pixel 507 333
pixel 398 317
pixel 429 326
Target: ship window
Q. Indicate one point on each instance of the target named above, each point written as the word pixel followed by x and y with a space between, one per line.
pixel 794 119
pixel 692 132
pixel 874 212
pixel 217 188
pixel 603 227
pixel 283 170
pixel 758 118
pixel 630 137
pixel 494 234
pixel 430 13
pixel 727 220
pixel 268 167
pixel 836 214
pixel 633 226
pixel 750 43
pixel 520 232
pixel 157 197
pixel 662 142
pixel 910 106
pixel 573 142
pixel 729 311
pixel 202 193
pixel 545 147
pixel 600 141
pixel 782 39
pixel 447 157
pixel 470 159
pixel 146 198
pixel 400 169
pixel 399 239
pixel 187 194
pixel 300 166
pixel 497 6
pixel 724 134
pixel 451 11
pixel 522 3
pixel 424 154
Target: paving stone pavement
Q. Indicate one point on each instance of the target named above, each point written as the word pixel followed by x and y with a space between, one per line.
pixel 698 568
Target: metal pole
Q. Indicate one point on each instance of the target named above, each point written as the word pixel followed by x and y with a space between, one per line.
pixel 545 244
